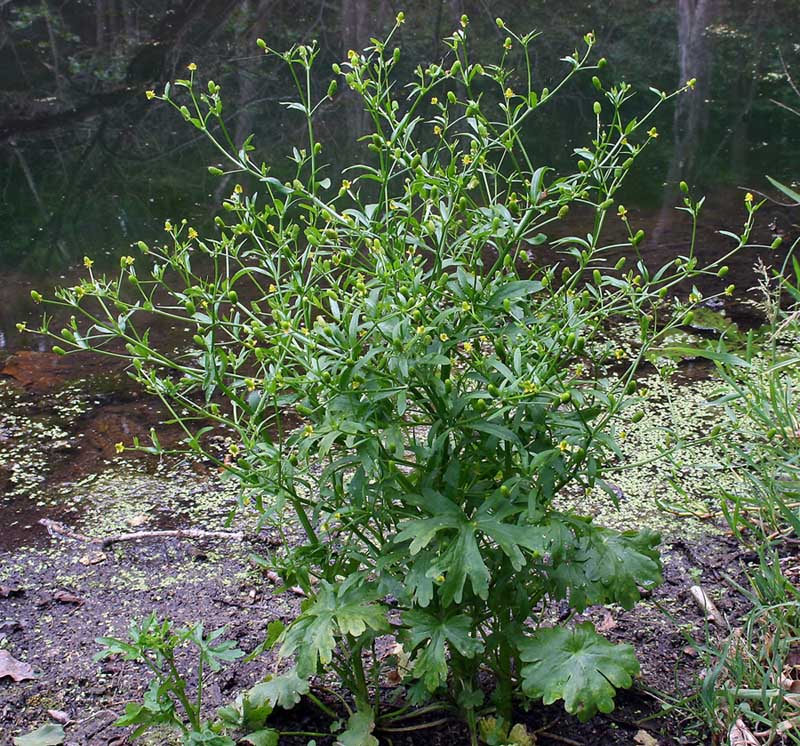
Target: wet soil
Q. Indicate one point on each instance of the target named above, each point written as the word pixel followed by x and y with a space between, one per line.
pixel 213 581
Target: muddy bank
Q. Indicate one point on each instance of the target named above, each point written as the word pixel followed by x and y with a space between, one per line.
pixel 64 595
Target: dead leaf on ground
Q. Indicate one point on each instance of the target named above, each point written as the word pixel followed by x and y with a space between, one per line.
pixel 47 735
pixel 137 520
pixel 608 623
pixel 67 598
pixel 6 591
pixel 17 670
pixel 741 735
pixel 95 557
pixel 59 716
pixel 643 738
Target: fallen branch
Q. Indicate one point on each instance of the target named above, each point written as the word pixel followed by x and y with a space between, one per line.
pixel 55 528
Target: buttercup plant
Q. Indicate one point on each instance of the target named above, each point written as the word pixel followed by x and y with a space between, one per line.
pixel 451 382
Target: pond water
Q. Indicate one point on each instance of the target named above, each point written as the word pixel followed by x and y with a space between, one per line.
pixel 88 166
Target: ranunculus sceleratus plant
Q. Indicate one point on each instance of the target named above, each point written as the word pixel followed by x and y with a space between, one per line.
pixel 450 383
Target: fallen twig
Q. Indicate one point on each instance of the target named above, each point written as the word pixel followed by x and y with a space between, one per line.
pixel 276 579
pixel 707 606
pixel 56 528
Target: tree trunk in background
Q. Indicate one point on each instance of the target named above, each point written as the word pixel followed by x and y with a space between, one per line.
pixel 250 24
pixel 359 21
pixel 694 60
pixel 691 109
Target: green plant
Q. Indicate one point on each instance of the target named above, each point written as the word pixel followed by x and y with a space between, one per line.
pixel 760 399
pixel 415 369
pixel 166 701
pixel 750 676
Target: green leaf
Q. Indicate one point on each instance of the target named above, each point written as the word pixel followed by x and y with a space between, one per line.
pixel 606 566
pixel 691 352
pixel 790 193
pixel 207 738
pixel 348 610
pixel 282 691
pixel 47 735
pixel 267 737
pixel 359 730
pixel 578 666
pixel 513 290
pixel 455 630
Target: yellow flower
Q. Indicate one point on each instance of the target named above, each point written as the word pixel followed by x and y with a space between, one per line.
pixel 127 261
pixel 151 94
pixel 622 212
pixel 87 262
pixel 400 18
pixel 167 226
pixel 508 93
pixel 192 233
pixel 437 130
pixel 346 184
pixel 250 384
pixel 619 353
pixel 119 447
pixel 237 189
pixel 443 337
pixel 748 198
pixel 420 330
pixel 308 430
pixel 507 43
pixel 434 101
pixel 466 159
pixel 691 83
pixel 653 132
pixel 191 67
pixel 468 347
pixel 272 289
pixel 563 446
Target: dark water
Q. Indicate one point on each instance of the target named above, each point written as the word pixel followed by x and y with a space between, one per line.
pixel 89 166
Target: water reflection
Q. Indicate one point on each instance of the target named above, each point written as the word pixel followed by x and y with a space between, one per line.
pixel 87 166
